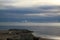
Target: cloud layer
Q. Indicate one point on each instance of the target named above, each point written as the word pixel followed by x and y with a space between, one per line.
pixel 28 24
pixel 28 3
pixel 30 9
pixel 44 14
pixel 31 12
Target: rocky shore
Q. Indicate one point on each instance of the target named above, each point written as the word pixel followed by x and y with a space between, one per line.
pixel 18 34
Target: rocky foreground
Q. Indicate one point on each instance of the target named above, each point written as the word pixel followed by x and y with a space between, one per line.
pixel 18 34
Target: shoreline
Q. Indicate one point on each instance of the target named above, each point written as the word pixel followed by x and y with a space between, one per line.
pixel 48 37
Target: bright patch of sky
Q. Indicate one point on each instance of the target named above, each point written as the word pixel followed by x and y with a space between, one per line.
pixel 28 3
pixel 29 24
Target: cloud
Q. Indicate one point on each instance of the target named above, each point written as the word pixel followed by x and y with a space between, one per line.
pixel 44 14
pixel 9 15
pixel 40 11
pixel 4 3
pixel 28 3
pixel 18 13
pixel 28 24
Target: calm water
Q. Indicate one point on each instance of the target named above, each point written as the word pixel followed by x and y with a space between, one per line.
pixel 46 30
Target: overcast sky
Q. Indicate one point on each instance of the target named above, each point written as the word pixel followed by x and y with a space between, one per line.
pixel 34 4
pixel 29 9
pixel 28 3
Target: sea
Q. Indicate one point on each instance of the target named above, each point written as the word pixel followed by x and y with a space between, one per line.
pixel 49 32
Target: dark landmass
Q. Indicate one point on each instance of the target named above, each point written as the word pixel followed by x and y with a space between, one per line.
pixel 18 34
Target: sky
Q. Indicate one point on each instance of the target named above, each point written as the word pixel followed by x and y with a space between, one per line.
pixel 28 3
pixel 29 11
pixel 32 6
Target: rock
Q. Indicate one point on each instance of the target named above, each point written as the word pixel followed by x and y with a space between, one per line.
pixel 17 34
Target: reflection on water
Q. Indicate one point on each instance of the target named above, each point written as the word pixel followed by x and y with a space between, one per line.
pixel 48 30
pixel 42 31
